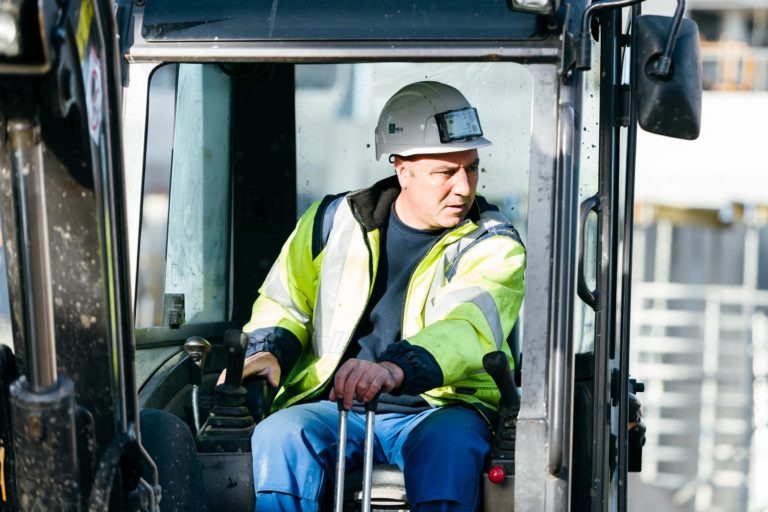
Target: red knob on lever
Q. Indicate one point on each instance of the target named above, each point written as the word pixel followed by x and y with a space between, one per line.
pixel 497 474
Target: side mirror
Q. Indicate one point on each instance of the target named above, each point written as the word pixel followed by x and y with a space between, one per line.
pixel 667 104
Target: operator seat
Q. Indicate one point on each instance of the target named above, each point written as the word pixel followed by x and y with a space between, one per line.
pixel 387 488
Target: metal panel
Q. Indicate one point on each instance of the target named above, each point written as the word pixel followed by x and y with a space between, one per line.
pixel 533 489
pixel 307 20
pixel 603 493
pixel 545 49
pixel 134 117
pixel 228 481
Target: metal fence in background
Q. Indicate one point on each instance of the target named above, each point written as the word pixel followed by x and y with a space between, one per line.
pixel 702 351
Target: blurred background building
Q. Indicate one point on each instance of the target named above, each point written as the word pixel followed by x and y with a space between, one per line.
pixel 700 292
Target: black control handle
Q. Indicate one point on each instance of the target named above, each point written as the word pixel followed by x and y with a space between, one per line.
pixel 372 404
pixel 197 349
pixel 497 366
pixel 589 296
pixel 235 343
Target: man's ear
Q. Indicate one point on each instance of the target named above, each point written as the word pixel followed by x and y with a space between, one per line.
pixel 401 169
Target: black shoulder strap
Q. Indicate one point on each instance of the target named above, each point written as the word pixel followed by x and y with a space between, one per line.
pixel 323 223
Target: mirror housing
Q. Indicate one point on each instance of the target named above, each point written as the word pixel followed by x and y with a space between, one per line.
pixel 669 105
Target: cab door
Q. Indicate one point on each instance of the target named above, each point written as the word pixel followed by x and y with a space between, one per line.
pixel 601 368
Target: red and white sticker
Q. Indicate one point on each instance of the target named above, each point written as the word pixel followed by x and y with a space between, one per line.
pixel 94 94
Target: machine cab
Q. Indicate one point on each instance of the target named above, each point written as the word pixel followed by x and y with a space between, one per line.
pixel 234 119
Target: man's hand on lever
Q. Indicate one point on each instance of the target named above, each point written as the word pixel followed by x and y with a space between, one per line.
pixel 364 380
pixel 262 364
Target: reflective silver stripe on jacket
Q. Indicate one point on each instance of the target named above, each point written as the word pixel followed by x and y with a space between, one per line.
pixel 480 298
pixel 486 304
pixel 342 295
pixel 276 290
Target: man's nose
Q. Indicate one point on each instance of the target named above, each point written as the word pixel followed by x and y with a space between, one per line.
pixel 462 185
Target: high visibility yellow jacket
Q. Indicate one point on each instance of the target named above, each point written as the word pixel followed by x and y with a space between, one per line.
pixel 462 299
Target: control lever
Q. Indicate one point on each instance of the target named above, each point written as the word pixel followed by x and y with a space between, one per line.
pixel 197 350
pixel 229 426
pixel 370 419
pixel 341 458
pixel 496 365
pixel 501 460
pixel 235 342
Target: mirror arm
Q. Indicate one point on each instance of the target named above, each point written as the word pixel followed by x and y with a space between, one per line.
pixel 663 65
pixel 584 39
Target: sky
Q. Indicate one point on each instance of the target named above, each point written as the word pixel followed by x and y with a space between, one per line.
pixel 727 164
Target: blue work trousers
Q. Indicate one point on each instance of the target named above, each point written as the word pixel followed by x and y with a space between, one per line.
pixel 440 452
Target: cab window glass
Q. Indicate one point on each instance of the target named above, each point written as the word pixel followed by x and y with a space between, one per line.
pixel 185 231
pixel 183 256
pixel 584 315
pixel 337 107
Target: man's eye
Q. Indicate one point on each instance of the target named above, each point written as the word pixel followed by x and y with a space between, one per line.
pixel 473 168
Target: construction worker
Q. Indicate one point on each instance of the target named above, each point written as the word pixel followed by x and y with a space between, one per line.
pixel 398 289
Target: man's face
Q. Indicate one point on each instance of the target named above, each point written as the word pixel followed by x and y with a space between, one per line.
pixel 437 190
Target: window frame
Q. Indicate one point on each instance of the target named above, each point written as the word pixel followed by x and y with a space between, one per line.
pixel 542 160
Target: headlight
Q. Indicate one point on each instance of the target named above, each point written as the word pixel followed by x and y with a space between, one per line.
pixel 537 6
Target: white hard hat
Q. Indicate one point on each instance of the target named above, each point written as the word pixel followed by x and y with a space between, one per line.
pixel 425 118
